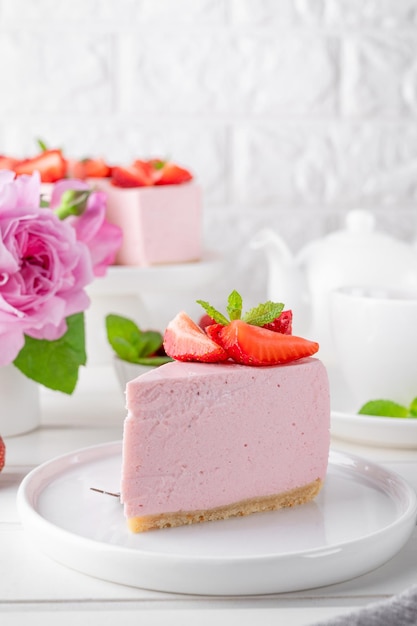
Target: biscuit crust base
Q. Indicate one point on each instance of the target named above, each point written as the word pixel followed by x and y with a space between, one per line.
pixel 300 495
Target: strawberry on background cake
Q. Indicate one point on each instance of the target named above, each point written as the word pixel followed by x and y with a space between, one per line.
pixel 237 424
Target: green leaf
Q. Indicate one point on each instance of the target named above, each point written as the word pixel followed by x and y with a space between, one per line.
pixel 123 336
pixel 130 343
pixel 149 343
pixel 234 305
pixel 55 364
pixel 153 360
pixel 214 313
pixel 383 408
pixel 413 408
pixel 263 313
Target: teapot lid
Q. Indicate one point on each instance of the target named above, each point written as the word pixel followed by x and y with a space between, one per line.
pixel 359 253
pixel 360 221
pixel 359 232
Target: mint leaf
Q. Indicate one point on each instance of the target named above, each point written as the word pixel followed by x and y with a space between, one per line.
pixel 153 360
pixel 213 313
pixel 149 342
pixel 263 313
pixel 55 364
pixel 383 408
pixel 123 335
pixel 234 305
pixel 413 408
pixel 258 316
pixel 133 345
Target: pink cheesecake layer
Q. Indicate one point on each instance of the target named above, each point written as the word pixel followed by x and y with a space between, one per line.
pixel 199 436
pixel 161 224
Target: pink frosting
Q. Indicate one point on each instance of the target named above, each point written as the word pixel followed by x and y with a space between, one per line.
pixel 204 435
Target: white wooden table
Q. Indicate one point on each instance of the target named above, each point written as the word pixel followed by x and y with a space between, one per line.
pixel 35 587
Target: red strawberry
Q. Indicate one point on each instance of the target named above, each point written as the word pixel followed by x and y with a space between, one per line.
pixel 8 163
pixel 213 330
pixel 132 176
pixel 252 345
pixel 147 170
pixel 185 341
pixel 281 324
pixel 50 164
pixel 89 168
pixel 2 453
pixel 171 174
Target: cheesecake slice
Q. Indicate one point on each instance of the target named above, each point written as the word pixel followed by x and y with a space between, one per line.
pixel 207 441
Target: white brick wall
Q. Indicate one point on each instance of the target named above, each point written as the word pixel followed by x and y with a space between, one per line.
pixel 289 112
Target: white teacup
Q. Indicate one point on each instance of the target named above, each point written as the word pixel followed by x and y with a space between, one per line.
pixel 375 338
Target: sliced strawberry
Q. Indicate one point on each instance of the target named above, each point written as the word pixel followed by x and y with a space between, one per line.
pixel 252 345
pixel 2 453
pixel 135 175
pixel 171 174
pixel 185 341
pixel 50 164
pixel 147 170
pixel 8 163
pixel 281 324
pixel 89 168
pixel 213 330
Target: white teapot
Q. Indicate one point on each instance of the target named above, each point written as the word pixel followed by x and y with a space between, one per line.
pixel 357 255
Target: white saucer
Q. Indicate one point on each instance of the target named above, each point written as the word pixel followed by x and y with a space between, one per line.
pixel 362 509
pixel 389 432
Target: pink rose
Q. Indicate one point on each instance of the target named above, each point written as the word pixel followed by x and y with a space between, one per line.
pixel 102 238
pixel 43 267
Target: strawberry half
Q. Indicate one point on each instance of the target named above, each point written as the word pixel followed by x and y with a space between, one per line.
pixel 89 168
pixel 281 324
pixel 185 341
pixel 2 453
pixel 171 174
pixel 133 176
pixel 253 345
pixel 8 163
pixel 50 164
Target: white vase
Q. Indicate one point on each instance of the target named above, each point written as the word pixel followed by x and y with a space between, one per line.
pixel 19 402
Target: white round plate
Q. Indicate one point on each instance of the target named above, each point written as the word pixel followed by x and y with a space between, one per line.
pixel 389 432
pixel 362 509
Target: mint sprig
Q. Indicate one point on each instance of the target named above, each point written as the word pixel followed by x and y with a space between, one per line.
pixel 258 316
pixel 388 408
pixel 132 344
pixel 214 313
